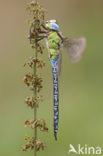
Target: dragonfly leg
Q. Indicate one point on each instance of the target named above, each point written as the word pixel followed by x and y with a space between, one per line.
pixel 39 39
pixel 44 27
pixel 42 32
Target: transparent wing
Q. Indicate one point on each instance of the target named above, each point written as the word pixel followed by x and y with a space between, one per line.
pixel 59 63
pixel 75 48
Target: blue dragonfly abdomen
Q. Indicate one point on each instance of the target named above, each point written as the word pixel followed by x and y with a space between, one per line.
pixel 56 96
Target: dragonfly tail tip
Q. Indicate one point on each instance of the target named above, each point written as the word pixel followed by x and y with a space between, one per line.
pixel 55 135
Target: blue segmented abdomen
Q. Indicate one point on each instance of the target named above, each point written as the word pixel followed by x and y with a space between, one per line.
pixel 56 101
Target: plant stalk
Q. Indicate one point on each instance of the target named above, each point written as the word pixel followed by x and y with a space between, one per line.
pixel 35 89
pixel 35 108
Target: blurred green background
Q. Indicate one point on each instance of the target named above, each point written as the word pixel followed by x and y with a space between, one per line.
pixel 81 85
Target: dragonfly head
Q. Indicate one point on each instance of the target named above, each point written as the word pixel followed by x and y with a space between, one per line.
pixel 52 24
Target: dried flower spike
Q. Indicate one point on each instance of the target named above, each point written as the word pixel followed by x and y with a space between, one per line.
pixel 34 80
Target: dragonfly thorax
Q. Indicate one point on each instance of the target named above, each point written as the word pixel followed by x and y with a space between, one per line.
pixel 53 42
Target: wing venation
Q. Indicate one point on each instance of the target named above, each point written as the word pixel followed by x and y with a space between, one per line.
pixel 75 48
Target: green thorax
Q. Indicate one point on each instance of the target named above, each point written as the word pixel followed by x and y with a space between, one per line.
pixel 53 40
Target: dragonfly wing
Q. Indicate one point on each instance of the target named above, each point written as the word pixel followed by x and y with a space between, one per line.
pixel 59 63
pixel 75 48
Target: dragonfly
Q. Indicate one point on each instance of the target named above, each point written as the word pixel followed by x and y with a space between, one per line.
pixel 54 42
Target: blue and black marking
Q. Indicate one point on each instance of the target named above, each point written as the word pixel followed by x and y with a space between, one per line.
pixel 56 97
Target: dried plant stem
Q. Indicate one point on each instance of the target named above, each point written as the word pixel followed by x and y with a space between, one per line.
pixel 35 89
pixel 33 80
pixel 35 108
